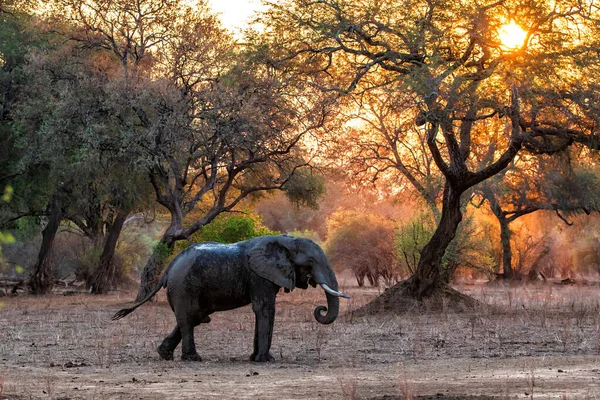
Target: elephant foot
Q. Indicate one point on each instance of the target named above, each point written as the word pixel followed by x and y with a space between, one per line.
pixel 191 357
pixel 164 353
pixel 262 357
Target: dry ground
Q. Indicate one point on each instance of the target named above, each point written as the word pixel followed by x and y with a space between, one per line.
pixel 530 342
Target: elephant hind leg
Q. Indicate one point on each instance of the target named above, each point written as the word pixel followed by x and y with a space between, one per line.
pixel 186 325
pixel 168 345
pixel 188 347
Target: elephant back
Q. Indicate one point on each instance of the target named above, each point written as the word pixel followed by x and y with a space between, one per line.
pixel 206 259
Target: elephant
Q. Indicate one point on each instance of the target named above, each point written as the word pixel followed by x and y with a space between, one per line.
pixel 208 277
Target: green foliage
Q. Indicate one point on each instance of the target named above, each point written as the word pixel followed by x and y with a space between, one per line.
pixel 411 237
pixel 588 187
pixel 8 192
pixel 307 234
pixel 5 237
pixel 88 262
pixel 467 249
pixel 163 251
pixel 228 228
pixel 305 189
pixel 25 228
pixel 232 228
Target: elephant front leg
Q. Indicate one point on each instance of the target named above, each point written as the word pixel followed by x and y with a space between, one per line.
pixel 264 311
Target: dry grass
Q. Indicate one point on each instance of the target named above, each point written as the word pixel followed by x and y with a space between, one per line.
pixel 543 341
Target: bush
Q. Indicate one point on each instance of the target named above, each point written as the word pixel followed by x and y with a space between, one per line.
pixel 5 237
pixel 89 257
pixel 307 234
pixel 363 243
pixel 232 228
pixel 470 249
pixel 411 237
pixel 228 228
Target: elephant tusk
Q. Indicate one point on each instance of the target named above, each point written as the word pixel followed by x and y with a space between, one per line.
pixel 333 292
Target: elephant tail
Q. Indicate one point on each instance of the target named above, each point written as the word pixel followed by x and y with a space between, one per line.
pixel 126 311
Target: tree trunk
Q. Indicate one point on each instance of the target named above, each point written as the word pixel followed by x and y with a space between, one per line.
pixel 104 275
pixel 505 232
pixel 427 277
pixel 505 235
pixel 155 265
pixel 427 281
pixel 41 280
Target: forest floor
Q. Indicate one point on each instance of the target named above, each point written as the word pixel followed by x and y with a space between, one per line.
pixel 530 342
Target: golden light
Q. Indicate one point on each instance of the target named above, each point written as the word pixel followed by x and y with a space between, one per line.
pixel 512 36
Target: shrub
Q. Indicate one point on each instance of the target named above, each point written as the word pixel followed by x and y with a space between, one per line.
pixel 363 243
pixel 5 237
pixel 232 228
pixel 411 237
pixel 307 234
pixel 228 228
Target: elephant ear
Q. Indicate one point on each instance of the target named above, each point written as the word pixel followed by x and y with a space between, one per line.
pixel 270 259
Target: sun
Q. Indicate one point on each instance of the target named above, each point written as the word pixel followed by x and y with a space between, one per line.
pixel 512 36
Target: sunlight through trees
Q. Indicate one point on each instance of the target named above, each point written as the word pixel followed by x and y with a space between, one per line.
pixel 117 108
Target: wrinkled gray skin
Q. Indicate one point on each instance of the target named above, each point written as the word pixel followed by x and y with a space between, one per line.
pixel 209 277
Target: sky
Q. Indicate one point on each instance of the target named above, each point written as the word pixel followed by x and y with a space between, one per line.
pixel 235 14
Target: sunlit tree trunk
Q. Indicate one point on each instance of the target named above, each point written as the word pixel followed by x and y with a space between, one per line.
pixel 505 218
pixel 505 235
pixel 41 281
pixel 155 264
pixel 104 275
pixel 427 277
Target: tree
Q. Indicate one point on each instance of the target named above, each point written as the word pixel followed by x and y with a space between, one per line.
pixel 469 88
pixel 540 183
pixel 17 37
pixel 41 280
pixel 207 132
pixel 380 147
pixel 69 135
pixel 244 142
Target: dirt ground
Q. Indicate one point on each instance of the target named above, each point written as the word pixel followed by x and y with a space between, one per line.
pixel 534 342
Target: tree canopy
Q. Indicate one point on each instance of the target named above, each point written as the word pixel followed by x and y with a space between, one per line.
pixel 110 107
pixel 449 71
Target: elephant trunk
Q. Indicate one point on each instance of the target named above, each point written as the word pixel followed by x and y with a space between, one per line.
pixel 326 279
pixel 332 309
pixel 333 302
